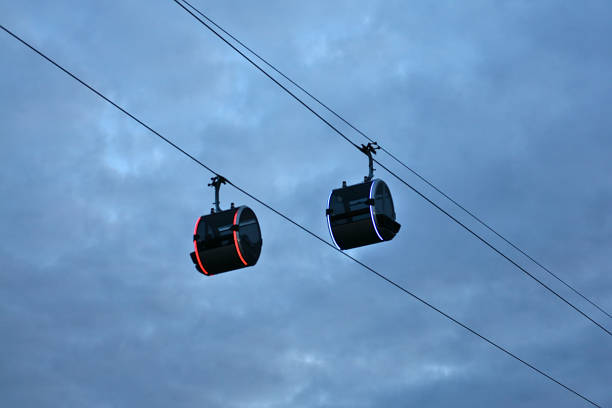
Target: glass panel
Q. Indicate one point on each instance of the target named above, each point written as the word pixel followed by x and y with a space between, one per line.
pixel 214 230
pixel 250 235
pixel 352 199
pixel 383 201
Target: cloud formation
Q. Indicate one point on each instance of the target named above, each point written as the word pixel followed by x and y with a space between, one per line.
pixel 503 106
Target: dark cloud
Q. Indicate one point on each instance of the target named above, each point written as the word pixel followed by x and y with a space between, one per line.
pixel 503 106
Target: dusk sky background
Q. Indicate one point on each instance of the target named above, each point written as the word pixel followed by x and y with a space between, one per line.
pixel 504 105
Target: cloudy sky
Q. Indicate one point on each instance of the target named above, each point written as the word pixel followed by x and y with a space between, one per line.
pixel 503 105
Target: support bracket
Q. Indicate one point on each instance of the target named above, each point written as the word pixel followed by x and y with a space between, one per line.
pixel 369 150
pixel 216 183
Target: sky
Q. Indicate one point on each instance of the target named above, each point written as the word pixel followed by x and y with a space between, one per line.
pixel 502 105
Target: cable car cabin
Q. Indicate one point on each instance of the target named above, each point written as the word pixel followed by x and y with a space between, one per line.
pixel 226 240
pixel 361 214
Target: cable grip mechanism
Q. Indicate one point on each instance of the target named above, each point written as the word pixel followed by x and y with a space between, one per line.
pixel 216 183
pixel 369 150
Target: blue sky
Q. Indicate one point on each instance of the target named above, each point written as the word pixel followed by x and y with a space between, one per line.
pixel 503 105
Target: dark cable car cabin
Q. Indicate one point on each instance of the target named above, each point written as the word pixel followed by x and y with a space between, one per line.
pixel 362 214
pixel 226 240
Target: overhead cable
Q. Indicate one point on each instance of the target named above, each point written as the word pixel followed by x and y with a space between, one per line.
pixel 402 163
pixel 295 223
pixel 346 138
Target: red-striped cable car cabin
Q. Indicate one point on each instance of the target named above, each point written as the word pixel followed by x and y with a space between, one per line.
pixel 226 240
